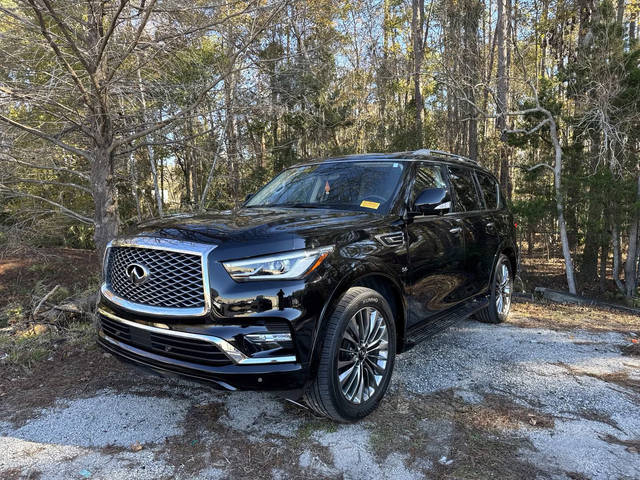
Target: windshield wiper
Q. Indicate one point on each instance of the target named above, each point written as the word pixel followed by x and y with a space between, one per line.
pixel 294 205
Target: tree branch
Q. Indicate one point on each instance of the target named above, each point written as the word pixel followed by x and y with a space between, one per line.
pixel 64 210
pixel 134 43
pixel 48 182
pixel 112 26
pixel 82 175
pixel 54 46
pixel 44 136
pixel 539 165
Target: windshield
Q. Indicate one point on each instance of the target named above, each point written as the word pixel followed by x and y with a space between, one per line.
pixel 367 186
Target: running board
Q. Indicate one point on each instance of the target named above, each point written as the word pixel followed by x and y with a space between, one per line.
pixel 443 321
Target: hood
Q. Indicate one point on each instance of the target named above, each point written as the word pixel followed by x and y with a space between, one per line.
pixel 266 230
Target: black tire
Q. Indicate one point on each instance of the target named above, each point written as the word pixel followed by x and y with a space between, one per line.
pixel 326 394
pixel 491 313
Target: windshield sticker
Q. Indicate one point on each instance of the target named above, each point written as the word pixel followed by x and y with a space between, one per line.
pixel 367 204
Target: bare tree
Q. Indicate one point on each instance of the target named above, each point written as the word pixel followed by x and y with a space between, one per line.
pixel 95 49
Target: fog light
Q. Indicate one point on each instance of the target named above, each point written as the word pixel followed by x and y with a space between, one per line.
pixel 268 337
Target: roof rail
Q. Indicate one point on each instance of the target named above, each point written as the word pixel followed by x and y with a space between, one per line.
pixel 427 152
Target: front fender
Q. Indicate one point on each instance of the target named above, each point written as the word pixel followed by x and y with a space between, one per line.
pixel 359 273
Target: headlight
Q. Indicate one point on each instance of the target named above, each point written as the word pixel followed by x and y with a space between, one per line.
pixel 281 266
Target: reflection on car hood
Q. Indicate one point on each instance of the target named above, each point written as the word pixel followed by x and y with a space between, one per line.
pixel 304 227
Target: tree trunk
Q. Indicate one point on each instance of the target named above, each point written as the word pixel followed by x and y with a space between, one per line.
pixel 543 38
pixel 152 162
pixel 604 259
pixel 620 12
pixel 105 198
pixel 502 89
pixel 593 233
pixel 615 239
pixel 417 32
pixel 630 268
pixel 589 263
pixel 134 185
pixel 471 54
pixel 562 224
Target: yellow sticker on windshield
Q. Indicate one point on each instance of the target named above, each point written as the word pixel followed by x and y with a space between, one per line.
pixel 367 204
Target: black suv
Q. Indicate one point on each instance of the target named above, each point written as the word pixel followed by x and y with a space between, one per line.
pixel 318 281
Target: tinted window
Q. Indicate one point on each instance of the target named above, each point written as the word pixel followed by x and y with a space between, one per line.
pixel 427 176
pixel 490 190
pixel 462 182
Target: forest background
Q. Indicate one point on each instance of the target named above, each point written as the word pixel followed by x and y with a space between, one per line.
pixel 114 112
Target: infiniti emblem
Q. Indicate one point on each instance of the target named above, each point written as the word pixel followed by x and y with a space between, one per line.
pixel 138 274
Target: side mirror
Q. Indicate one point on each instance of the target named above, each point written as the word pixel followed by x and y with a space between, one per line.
pixel 248 197
pixel 433 201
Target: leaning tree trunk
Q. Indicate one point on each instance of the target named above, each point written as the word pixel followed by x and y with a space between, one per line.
pixel 105 198
pixel 562 223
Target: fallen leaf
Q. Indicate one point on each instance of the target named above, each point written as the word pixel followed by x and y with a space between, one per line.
pixel 533 421
pixel 136 447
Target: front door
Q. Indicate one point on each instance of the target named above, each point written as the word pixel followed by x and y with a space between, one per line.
pixel 436 253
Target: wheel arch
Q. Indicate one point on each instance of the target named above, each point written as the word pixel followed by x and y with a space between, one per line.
pixel 377 280
pixel 511 254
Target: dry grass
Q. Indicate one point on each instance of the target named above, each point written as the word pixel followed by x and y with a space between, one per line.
pixel 556 316
pixel 632 446
pixel 633 349
pixel 538 270
pixel 484 440
pixel 27 270
pixel 621 378
pixel 22 350
pixel 27 275
pixel 241 457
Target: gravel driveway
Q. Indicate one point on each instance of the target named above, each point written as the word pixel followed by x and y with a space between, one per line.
pixel 476 401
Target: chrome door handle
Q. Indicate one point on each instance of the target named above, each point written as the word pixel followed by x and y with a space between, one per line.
pixel 455 230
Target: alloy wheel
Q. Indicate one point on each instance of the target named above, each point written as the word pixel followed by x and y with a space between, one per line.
pixel 503 289
pixel 363 355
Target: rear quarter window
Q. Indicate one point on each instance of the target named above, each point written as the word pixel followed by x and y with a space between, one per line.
pixel 490 190
pixel 464 186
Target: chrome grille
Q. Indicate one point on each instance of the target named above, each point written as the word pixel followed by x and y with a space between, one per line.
pixel 174 281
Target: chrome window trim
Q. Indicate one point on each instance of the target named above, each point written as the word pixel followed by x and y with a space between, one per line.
pixel 167 244
pixel 235 355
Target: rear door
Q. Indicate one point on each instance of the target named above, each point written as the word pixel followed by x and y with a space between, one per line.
pixel 496 221
pixel 470 213
pixel 436 252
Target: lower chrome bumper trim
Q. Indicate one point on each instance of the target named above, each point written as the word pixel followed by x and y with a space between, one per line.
pixel 235 355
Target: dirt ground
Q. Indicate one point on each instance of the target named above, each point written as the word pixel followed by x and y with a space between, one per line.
pixel 553 393
pixel 26 272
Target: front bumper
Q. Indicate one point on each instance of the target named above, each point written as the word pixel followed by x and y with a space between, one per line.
pixel 218 361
